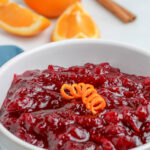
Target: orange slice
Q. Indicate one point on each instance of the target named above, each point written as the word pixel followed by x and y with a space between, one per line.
pixel 19 20
pixel 75 23
pixel 3 2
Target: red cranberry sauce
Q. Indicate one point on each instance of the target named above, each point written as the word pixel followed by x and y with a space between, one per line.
pixel 35 111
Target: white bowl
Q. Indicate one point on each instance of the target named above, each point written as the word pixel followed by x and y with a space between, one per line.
pixel 67 53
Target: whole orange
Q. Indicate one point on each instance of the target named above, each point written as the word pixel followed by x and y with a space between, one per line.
pixel 49 8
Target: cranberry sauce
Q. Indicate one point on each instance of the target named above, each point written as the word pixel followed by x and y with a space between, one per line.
pixel 35 111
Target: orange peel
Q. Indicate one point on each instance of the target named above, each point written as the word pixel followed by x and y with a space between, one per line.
pixel 87 92
pixel 50 8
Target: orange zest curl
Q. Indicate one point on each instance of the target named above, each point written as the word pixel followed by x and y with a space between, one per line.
pixel 63 93
pixel 87 92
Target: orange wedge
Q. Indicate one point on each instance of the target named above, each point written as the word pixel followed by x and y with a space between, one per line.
pixel 3 2
pixel 19 20
pixel 75 23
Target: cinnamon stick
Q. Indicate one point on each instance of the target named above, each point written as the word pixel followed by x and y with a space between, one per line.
pixel 122 13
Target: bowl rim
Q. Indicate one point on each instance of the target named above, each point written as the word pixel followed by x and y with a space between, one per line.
pixel 134 48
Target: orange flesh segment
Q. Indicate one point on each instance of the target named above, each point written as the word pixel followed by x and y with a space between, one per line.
pixel 75 23
pixel 17 16
pixel 69 27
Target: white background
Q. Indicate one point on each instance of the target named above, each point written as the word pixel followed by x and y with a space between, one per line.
pixel 136 33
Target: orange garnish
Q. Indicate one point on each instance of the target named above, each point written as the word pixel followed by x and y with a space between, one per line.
pixel 63 93
pixel 75 23
pixel 87 92
pixel 19 20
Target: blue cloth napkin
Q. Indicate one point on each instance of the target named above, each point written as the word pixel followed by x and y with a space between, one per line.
pixel 7 52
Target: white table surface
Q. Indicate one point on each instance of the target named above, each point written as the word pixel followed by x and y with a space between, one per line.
pixel 136 33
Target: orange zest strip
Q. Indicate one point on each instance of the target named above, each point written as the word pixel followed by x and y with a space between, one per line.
pixel 87 92
pixel 87 96
pixel 97 104
pixel 82 88
pixel 75 91
pixel 63 93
